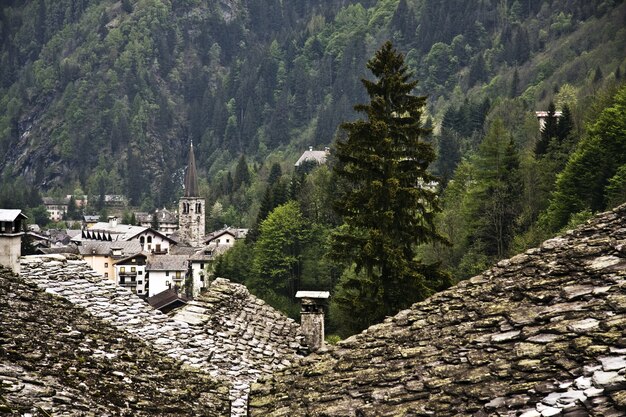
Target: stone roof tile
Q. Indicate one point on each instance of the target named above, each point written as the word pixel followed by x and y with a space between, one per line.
pixel 539 334
pixel 58 359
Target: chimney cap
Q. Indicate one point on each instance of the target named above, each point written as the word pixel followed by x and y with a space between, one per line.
pixel 313 294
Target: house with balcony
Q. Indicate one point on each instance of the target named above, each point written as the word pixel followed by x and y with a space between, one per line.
pixel 130 272
pixel 166 272
pixel 102 255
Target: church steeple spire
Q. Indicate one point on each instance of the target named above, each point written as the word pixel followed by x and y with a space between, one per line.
pixel 191 176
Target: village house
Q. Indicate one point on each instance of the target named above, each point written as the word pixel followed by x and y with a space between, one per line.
pixel 90 220
pixel 150 240
pixel 56 207
pixel 543 115
pixel 130 272
pixel 165 272
pixel 311 156
pixel 166 220
pixel 11 232
pixel 225 237
pixel 102 255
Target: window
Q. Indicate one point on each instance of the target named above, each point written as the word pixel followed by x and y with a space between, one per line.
pixel 149 239
pixel 139 272
pixel 139 282
pixel 177 274
pixel 227 240
pixel 167 273
pixel 198 208
pixel 133 269
pixel 106 264
pixel 158 247
pixel 202 265
pixel 142 240
pixel 106 274
pixel 139 291
pixel 122 270
pixel 185 208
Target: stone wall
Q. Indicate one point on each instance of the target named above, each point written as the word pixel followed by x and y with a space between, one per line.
pixel 540 334
pixel 58 359
pixel 215 351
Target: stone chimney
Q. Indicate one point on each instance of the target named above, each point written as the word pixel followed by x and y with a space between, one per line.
pixel 112 221
pixel 312 317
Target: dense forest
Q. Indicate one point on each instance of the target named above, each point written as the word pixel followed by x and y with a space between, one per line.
pixel 103 97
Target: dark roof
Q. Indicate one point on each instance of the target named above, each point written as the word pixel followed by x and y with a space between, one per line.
pixel 128 258
pixel 539 334
pixel 191 176
pixel 166 298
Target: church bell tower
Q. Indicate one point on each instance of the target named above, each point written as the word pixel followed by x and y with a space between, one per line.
pixel 191 207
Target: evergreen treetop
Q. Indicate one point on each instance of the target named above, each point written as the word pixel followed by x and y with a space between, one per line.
pixel 387 203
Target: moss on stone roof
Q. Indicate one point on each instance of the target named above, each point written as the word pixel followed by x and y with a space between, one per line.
pixel 542 333
pixel 57 359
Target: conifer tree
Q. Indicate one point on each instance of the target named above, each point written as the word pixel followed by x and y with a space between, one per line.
pixel 387 203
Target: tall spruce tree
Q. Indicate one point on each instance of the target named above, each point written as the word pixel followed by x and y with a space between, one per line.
pixel 387 202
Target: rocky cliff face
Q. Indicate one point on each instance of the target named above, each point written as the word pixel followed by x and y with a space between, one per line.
pixel 540 334
pixel 58 359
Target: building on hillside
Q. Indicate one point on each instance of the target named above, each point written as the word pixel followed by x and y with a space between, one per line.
pixel 191 207
pixel 11 233
pixel 543 115
pixel 313 157
pixel 56 207
pixel 102 255
pixel 166 220
pixel 150 240
pixel 166 272
pixel 115 200
pixel 130 272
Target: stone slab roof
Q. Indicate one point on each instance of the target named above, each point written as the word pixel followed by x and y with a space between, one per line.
pixel 58 359
pixel 233 231
pixel 311 155
pixel 104 248
pixel 540 334
pixel 167 263
pixel 9 215
pixel 202 347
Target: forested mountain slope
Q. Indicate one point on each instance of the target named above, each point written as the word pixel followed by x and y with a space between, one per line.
pixel 106 95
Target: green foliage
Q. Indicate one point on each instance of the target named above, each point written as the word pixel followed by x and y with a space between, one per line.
pixel 278 251
pixel 597 159
pixel 495 195
pixel 386 203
